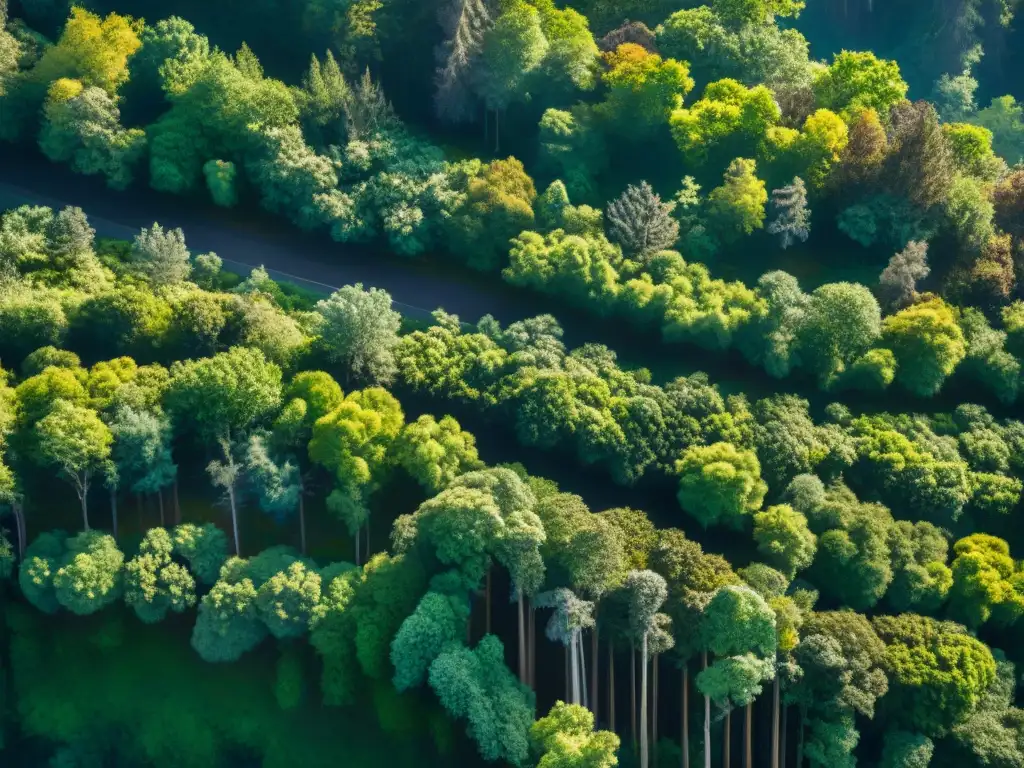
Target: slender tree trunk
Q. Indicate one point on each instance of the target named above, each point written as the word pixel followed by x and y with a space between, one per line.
pixel 654 706
pixel 487 618
pixel 727 741
pixel 582 664
pixel 160 503
pixel 611 687
pixel 643 701
pixel 177 505
pixel 800 737
pixel 113 511
pixel 775 722
pixel 568 688
pixel 595 647
pixel 707 722
pixel 302 520
pixel 522 637
pixel 19 522
pixel 234 519
pixel 748 736
pixel 532 643
pixel 632 693
pixel 782 739
pixel 574 669
pixel 83 496
pixel 685 741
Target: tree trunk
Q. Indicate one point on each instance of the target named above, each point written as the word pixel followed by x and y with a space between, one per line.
pixel 611 687
pixel 487 618
pixel 748 736
pixel 19 522
pixel 800 737
pixel 234 519
pixel 782 738
pixel 358 536
pixel 632 693
pixel 574 668
pixel 531 650
pixel 595 647
pixel 568 688
pixel 302 520
pixel 84 498
pixel 582 668
pixel 643 701
pixel 775 722
pixel 522 637
pixel 177 504
pixel 654 706
pixel 727 741
pixel 685 741
pixel 113 511
pixel 160 502
pixel 707 722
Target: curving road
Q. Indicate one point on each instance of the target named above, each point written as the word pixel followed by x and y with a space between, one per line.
pixel 248 237
pixel 244 241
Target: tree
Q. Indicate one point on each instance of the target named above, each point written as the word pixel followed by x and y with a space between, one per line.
pixel 919 167
pixel 937 672
pixel 783 537
pixel 565 738
pixel 161 255
pixel 647 593
pixel 643 90
pixel 221 395
pixel 204 548
pixel 897 285
pixel 793 219
pixel 277 482
pixel 153 583
pixel 928 345
pixel 841 322
pixel 512 49
pixel 142 451
pixel 571 616
pixel 737 206
pixel 906 750
pixel 720 483
pixel 1005 118
pixel 286 602
pixel 435 452
pixel 641 223
pixel 167 64
pixel 498 205
pixel 82 126
pixel 475 685
pixel 90 575
pixel 985 580
pixel 226 474
pixel 738 13
pixel 360 331
pixel 90 49
pixel 439 620
pixel 227 624
pixel 465 23
pixel 77 442
pixel 857 80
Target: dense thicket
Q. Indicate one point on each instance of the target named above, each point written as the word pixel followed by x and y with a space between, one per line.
pixel 717 96
pixel 878 514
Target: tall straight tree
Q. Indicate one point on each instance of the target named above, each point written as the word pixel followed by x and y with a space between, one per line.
pixel 647 594
pixel 226 473
pixel 641 223
pixel 792 220
pixel 571 616
pixel 465 23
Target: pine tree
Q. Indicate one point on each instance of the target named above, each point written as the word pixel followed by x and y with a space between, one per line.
pixel 641 223
pixel 465 22
pixel 897 285
pixel 793 219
